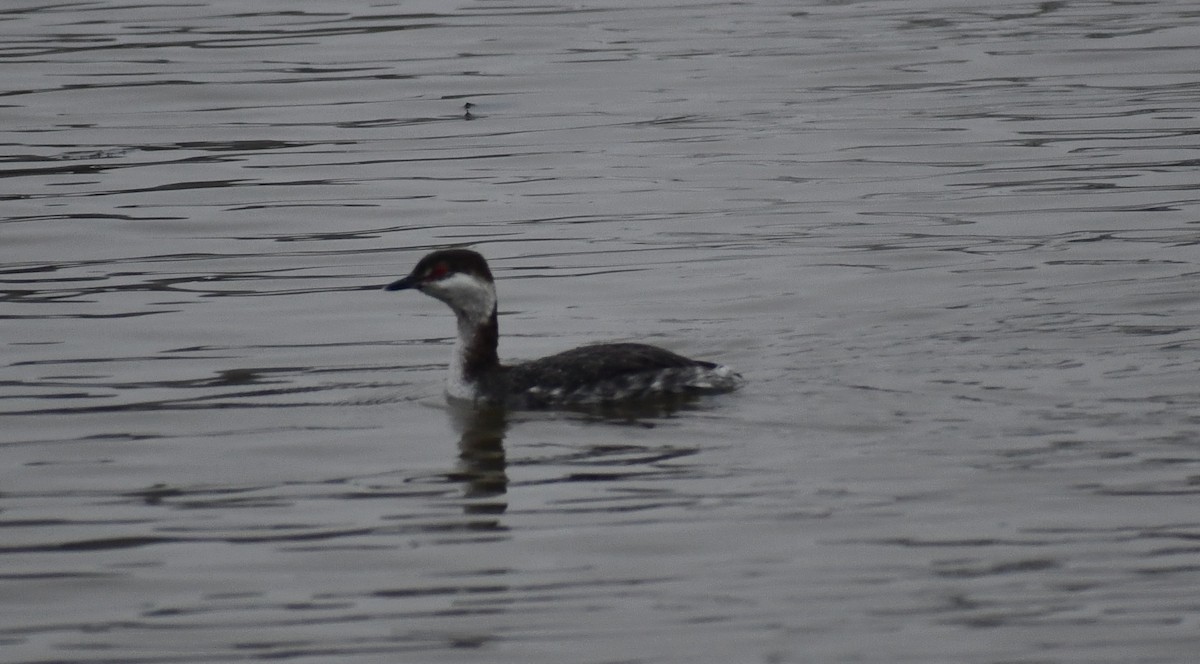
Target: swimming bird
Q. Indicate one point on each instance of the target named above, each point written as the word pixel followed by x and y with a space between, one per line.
pixel 607 373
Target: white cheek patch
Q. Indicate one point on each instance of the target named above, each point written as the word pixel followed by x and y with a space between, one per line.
pixel 465 293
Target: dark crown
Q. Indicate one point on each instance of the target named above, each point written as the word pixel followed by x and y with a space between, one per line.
pixel 454 260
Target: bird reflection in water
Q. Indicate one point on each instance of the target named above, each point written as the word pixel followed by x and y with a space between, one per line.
pixel 482 468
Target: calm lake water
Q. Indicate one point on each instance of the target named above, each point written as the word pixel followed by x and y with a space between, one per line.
pixel 954 247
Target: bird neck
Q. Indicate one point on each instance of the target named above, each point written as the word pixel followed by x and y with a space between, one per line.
pixel 475 348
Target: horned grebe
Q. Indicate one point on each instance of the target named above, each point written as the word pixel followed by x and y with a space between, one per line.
pixel 589 375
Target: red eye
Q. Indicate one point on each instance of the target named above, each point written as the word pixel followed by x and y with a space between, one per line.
pixel 437 271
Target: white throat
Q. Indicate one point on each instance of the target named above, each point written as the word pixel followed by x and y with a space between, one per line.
pixel 473 301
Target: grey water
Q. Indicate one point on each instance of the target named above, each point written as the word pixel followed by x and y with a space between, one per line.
pixel 954 247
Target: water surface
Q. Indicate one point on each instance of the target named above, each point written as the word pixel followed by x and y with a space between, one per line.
pixel 952 246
